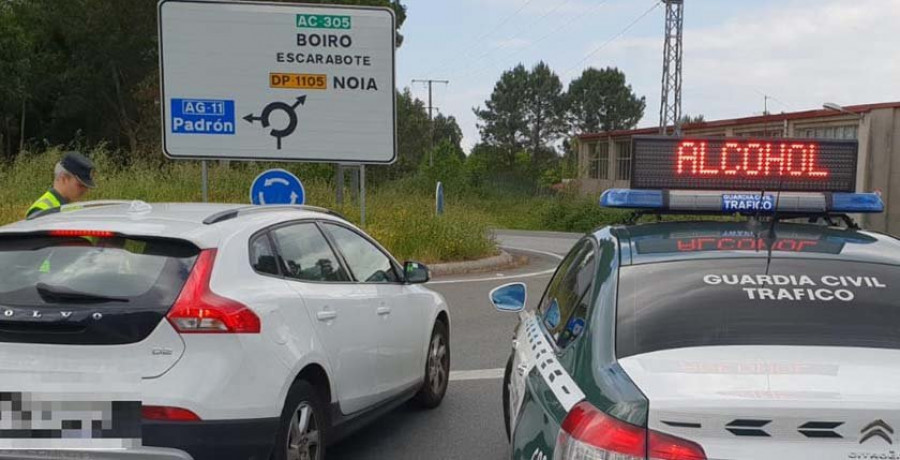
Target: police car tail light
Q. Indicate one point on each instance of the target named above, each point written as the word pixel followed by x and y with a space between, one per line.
pixel 666 447
pixel 198 310
pixel 588 434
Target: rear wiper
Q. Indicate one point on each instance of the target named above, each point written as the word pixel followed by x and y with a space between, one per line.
pixel 64 293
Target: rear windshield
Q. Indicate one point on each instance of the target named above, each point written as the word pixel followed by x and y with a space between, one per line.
pixel 38 270
pixel 743 302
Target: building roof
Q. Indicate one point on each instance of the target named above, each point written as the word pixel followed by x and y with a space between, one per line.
pixel 758 119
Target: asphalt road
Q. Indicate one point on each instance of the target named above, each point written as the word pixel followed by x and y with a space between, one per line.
pixel 469 423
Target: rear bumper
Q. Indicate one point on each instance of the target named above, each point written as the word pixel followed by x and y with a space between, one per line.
pixel 143 453
pixel 215 440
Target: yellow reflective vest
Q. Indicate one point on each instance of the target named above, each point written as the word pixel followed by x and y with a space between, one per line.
pixel 48 200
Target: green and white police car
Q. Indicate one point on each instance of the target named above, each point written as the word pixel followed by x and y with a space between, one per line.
pixel 754 337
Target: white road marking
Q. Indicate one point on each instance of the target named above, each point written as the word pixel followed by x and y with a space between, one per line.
pixel 480 374
pixel 509 277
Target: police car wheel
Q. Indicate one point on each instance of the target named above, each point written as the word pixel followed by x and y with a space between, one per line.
pixel 507 374
pixel 437 369
pixel 302 433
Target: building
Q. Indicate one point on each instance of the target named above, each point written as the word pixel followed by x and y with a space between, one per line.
pixel 604 159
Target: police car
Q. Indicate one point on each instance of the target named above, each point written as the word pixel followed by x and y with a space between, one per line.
pixel 773 333
pixel 213 331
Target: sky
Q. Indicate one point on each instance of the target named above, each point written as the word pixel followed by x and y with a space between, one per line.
pixel 799 53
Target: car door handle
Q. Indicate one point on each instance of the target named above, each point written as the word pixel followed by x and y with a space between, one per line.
pixel 326 315
pixel 382 311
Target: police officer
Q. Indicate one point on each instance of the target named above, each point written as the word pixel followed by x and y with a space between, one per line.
pixel 72 179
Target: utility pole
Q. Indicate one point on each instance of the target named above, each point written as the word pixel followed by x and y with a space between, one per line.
pixel 430 82
pixel 670 105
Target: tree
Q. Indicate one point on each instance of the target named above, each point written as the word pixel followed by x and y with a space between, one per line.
pixel 525 112
pixel 447 129
pixel 87 69
pixel 448 167
pixel 600 100
pixel 545 109
pixel 502 122
pixel 412 138
pixel 687 119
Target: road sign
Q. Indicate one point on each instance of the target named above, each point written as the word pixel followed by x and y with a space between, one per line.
pixel 273 81
pixel 277 186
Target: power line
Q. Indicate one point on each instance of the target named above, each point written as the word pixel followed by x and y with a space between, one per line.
pixel 430 116
pixel 517 35
pixel 572 19
pixel 615 37
pixel 483 36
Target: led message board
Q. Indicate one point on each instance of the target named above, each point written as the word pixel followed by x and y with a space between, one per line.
pixel 745 164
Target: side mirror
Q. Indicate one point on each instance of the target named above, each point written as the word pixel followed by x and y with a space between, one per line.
pixel 416 273
pixel 509 297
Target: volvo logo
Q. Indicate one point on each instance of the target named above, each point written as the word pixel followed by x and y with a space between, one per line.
pixel 877 429
pixel 9 313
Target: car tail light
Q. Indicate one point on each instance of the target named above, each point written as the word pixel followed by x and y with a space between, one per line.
pixel 198 310
pixel 81 233
pixel 168 414
pixel 589 434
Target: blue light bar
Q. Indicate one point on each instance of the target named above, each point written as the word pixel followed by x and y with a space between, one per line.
pixel 857 203
pixel 632 199
pixel 729 202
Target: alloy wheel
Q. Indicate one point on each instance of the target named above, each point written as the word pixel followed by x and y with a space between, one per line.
pixel 303 435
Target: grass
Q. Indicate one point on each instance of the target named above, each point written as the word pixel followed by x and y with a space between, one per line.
pixel 400 214
pixel 402 222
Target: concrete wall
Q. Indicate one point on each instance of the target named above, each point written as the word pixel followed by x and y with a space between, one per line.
pixel 594 187
pixel 880 168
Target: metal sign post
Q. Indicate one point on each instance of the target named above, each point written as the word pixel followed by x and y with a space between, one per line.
pixel 339 184
pixel 205 186
pixel 362 195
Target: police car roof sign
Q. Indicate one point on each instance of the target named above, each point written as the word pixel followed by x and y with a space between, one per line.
pixel 276 81
pixel 744 164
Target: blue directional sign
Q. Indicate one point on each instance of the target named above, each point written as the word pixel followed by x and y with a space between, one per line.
pixel 277 186
pixel 202 116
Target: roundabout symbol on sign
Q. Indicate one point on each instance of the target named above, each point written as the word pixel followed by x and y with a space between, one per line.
pixel 289 109
pixel 277 186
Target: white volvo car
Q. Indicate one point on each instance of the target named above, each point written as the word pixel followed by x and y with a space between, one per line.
pixel 251 332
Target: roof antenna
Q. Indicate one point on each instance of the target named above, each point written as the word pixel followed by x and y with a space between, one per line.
pixel 770 239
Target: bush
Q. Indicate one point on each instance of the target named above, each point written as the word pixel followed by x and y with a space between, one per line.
pixel 399 217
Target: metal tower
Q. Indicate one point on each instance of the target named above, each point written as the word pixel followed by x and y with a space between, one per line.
pixel 670 105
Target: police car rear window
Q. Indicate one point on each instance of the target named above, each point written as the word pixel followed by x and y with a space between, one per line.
pixel 749 302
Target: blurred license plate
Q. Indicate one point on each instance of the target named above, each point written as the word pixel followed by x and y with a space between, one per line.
pixel 69 410
pixel 29 420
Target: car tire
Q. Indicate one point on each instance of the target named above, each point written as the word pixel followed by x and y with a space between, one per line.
pixel 507 374
pixel 302 433
pixel 437 369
